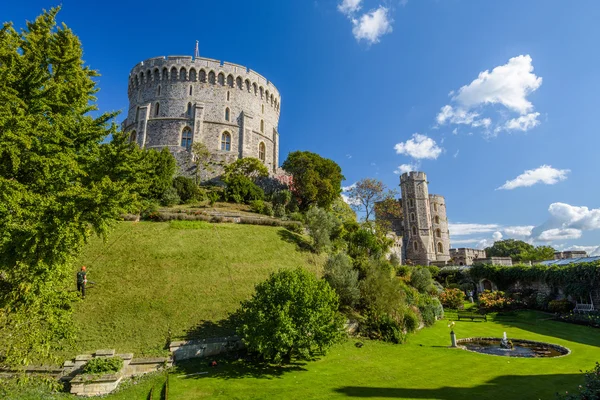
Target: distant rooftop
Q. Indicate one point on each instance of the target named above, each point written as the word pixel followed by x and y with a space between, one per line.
pixel 567 261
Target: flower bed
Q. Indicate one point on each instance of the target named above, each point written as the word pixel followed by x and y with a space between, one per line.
pixel 588 319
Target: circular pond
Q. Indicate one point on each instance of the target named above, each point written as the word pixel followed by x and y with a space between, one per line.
pixel 516 348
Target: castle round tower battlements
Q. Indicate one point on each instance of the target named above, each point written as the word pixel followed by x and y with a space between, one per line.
pixel 175 101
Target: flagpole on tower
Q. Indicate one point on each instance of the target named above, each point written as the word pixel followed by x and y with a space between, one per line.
pixel 197 52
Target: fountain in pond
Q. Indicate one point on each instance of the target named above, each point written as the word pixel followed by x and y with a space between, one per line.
pixel 505 343
pixel 512 348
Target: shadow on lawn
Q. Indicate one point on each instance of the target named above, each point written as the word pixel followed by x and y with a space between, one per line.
pixel 290 237
pixel 232 367
pixel 507 386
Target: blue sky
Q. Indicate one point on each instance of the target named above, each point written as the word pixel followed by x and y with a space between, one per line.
pixel 381 86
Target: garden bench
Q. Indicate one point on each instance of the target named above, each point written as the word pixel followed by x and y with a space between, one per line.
pixel 584 308
pixel 471 315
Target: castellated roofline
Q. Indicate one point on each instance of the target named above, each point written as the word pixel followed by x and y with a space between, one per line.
pixel 436 197
pixel 207 64
pixel 414 175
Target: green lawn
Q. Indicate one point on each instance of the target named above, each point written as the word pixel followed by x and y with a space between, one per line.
pixel 182 276
pixel 423 368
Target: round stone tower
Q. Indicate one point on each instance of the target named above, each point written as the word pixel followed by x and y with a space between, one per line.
pixel 175 101
pixel 426 238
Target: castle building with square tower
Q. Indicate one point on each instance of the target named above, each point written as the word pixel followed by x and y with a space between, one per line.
pixel 423 224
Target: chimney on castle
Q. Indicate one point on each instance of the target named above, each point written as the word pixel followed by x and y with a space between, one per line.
pixel 197 51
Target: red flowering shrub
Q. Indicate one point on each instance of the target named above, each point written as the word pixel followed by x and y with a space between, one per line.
pixel 452 298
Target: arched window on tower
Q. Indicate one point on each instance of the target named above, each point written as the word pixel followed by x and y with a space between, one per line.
pixel 414 230
pixel 192 75
pixel 133 137
pixel 262 126
pixel 182 74
pixel 186 138
pixel 440 247
pixel 211 77
pixel 189 110
pixel 261 152
pixel 202 76
pixel 239 83
pixel 137 114
pixel 435 207
pixel 173 74
pixel 230 81
pixel 412 217
pixel 156 109
pixel 438 233
pixel 227 114
pixel 156 75
pixel 221 79
pixel 226 141
pixel 436 219
pixel 165 74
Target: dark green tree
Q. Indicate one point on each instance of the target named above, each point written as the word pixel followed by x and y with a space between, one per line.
pixel 249 167
pixel 52 198
pixel 316 180
pixel 515 249
pixel 343 278
pixel 292 315
pixel 160 167
pixel 321 226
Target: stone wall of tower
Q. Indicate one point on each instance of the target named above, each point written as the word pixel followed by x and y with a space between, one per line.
pixel 168 95
pixel 439 227
pixel 418 235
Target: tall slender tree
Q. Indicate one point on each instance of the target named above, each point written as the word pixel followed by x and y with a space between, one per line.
pixel 52 197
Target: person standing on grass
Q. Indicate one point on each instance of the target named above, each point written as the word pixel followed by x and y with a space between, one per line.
pixel 81 281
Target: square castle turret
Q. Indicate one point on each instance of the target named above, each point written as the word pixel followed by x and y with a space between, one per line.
pixel 422 226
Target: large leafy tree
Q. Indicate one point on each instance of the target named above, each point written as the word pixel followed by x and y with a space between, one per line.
pixel 317 180
pixel 519 250
pixel 292 315
pixel 52 197
pixel 366 193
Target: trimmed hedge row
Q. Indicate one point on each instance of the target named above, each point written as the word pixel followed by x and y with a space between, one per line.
pixel 574 279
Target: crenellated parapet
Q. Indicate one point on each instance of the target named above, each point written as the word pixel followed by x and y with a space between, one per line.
pixel 176 101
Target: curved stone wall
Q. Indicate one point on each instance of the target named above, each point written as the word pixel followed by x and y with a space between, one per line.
pixel 177 100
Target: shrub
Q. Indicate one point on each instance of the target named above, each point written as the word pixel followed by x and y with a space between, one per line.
pixel 108 365
pixel 320 225
pixel 403 271
pixel 560 306
pixel 291 314
pixel 297 216
pixel 380 292
pixel 343 278
pixel 279 210
pixel 268 209
pixel 431 310
pixel 411 320
pixel 149 211
pixel 494 300
pixel 281 197
pixel 420 279
pixel 186 189
pixel 383 327
pixel 170 197
pixel 294 227
pixel 242 189
pixel 590 390
pixel 452 298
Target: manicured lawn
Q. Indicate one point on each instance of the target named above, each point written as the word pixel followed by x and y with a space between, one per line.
pixel 423 368
pixel 152 278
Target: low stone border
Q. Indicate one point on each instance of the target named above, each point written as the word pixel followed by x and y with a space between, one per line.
pixel 556 347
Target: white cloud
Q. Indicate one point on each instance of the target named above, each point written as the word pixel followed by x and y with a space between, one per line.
pixel 372 25
pixel 567 222
pixel 507 84
pixel 462 229
pixel 455 131
pixel 497 236
pixel 522 123
pixel 456 154
pixel 518 231
pixel 544 174
pixel 348 188
pixel 406 168
pixel 559 234
pixel 591 250
pixel 455 116
pixel 349 201
pixel 419 147
pixel 464 241
pixel 349 7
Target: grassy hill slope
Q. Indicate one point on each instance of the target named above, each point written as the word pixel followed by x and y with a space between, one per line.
pixel 154 277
